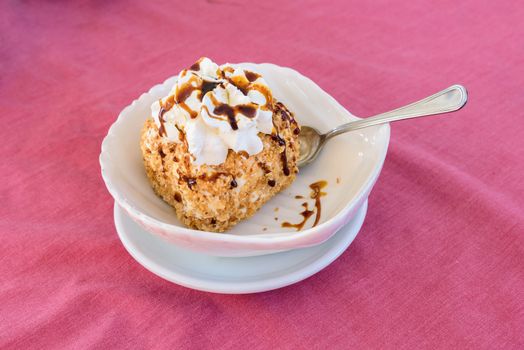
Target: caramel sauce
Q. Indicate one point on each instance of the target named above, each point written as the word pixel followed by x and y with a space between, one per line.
pixel 286 116
pixel 278 139
pixel 249 110
pixel 244 154
pixel 184 91
pixel 264 90
pixel 251 76
pixel 228 112
pixel 164 107
pixel 246 84
pixel 170 102
pixel 316 194
pixel 222 109
pixel 241 83
pixel 191 112
pixel 182 94
pixel 208 86
pixel 162 128
pixel 306 214
pixel 195 66
pixel 283 155
pixel 181 134
pixel 227 69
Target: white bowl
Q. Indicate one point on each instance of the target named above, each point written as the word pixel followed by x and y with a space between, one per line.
pixel 350 163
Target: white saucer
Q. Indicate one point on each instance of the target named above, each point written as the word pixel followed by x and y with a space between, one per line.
pixel 231 275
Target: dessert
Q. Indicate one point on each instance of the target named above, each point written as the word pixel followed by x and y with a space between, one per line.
pixel 219 145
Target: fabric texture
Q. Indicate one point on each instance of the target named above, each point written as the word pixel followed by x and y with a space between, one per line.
pixel 439 262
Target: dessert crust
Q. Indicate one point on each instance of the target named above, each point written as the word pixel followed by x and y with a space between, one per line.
pixel 216 197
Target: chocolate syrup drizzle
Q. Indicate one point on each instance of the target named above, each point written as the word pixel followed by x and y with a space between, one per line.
pixel 183 92
pixel 251 76
pixel 283 155
pixel 162 128
pixel 316 194
pixel 249 110
pixel 306 214
pixel 208 86
pixel 195 66
pixel 191 181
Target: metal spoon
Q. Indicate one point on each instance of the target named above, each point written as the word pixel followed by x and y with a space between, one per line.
pixel 448 100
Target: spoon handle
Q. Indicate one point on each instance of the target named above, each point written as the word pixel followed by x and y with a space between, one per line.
pixel 448 100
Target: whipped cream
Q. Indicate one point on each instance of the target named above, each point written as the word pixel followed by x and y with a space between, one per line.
pixel 215 109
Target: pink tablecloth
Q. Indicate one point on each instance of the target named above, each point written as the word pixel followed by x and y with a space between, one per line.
pixel 439 262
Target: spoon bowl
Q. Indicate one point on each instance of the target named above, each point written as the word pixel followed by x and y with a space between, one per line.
pixel 310 140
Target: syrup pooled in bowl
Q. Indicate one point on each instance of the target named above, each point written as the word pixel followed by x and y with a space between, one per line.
pixel 316 194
